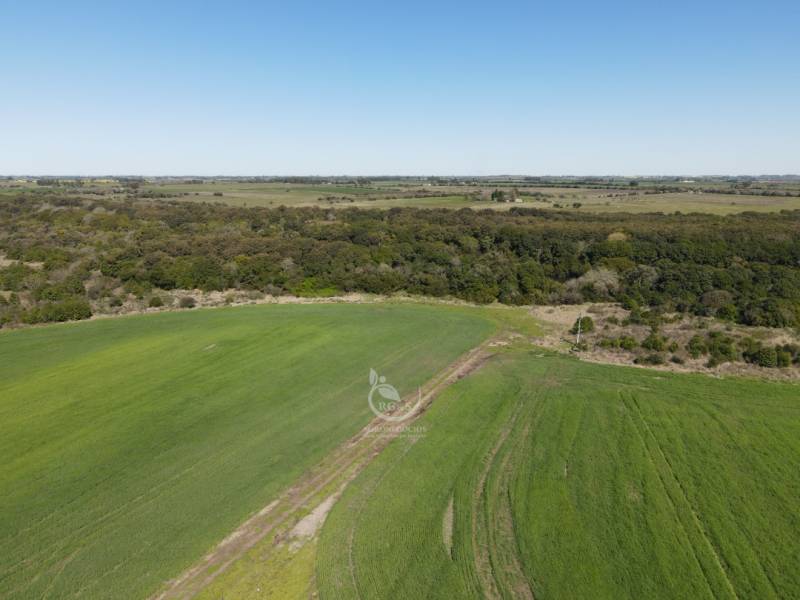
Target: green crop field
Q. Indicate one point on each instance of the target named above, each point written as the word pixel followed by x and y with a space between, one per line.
pixel 542 476
pixel 134 445
pixel 131 446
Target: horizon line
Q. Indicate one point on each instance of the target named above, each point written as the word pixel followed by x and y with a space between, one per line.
pixel 391 175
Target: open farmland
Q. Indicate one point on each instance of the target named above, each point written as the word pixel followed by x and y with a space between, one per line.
pixel 130 446
pixel 703 196
pixel 228 453
pixel 257 194
pixel 542 476
pixel 198 454
pixel 614 201
pixel 598 201
pixel 613 196
pixel 349 301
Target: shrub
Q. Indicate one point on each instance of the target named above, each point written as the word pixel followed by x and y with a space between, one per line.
pixel 793 350
pixel 13 277
pixel 312 287
pixel 766 357
pixel 729 312
pixel 696 347
pixel 155 302
pixel 59 291
pixel 624 342
pixel 634 318
pixel 629 303
pixel 750 348
pixel 586 325
pixel 650 359
pixel 722 345
pixel 72 309
pixel 187 302
pixel 654 342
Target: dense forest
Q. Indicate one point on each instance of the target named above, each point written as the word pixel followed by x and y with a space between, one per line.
pixel 65 257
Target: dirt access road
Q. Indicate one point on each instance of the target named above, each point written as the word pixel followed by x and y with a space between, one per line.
pixel 288 518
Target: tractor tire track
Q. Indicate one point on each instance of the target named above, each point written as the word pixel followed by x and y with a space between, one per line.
pixel 508 566
pixel 480 545
pixel 486 555
pixel 644 432
pixel 755 468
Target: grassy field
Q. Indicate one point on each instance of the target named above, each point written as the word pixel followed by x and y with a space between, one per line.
pixel 134 445
pixel 131 446
pixel 686 202
pixel 591 199
pixel 387 194
pixel 379 196
pixel 541 476
pixel 259 194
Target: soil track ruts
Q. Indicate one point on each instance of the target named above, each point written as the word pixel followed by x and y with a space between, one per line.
pixel 480 535
pixel 511 576
pixel 337 469
pixel 494 545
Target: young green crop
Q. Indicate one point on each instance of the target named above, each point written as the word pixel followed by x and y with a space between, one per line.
pixel 131 446
pixel 574 480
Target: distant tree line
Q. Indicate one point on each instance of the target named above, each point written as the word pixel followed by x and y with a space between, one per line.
pixel 743 268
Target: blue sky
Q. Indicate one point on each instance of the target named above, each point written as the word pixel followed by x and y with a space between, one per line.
pixel 399 87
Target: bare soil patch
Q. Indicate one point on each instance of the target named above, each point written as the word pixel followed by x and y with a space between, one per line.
pixel 309 525
pixel 7 262
pixel 447 528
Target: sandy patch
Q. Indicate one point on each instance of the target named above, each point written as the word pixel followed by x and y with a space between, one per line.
pixel 565 315
pixel 447 528
pixel 308 526
pixel 7 262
